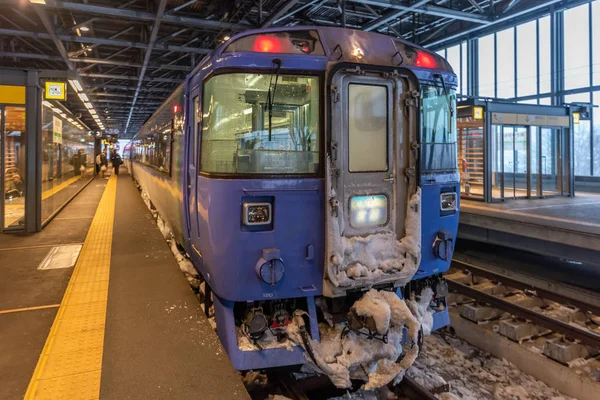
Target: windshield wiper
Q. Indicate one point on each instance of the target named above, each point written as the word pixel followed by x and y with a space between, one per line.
pixel 271 93
pixel 441 78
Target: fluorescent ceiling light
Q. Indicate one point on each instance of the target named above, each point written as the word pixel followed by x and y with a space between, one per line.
pixel 76 85
pixel 84 29
pixel 88 105
pixel 83 97
pixel 37 1
pixel 47 103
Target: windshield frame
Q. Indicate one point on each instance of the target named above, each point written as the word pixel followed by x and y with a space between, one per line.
pixel 424 129
pixel 319 173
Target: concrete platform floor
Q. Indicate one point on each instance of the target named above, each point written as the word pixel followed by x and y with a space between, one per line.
pixel 23 333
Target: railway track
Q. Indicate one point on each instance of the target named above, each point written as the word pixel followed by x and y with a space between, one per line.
pixel 525 308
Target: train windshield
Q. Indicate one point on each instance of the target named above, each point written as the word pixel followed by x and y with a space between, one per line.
pixel 235 125
pixel 438 129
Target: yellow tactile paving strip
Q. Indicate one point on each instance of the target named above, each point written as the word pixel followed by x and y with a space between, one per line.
pixel 70 365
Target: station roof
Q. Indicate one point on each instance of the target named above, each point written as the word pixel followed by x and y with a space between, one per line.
pixel 129 55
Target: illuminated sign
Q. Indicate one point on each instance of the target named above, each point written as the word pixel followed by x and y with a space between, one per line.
pixel 56 130
pixel 55 91
pixel 478 112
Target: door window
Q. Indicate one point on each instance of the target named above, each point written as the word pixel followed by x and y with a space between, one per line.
pixel 367 128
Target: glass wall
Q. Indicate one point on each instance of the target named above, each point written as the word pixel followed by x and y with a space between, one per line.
pixel 515 63
pixel 67 159
pixel 12 140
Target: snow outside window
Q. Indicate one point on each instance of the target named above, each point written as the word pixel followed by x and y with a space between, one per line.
pixel 576 41
pixel 367 128
pixel 487 67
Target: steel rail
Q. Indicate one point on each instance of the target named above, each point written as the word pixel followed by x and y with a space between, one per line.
pixel 585 336
pixel 414 391
pixel 541 292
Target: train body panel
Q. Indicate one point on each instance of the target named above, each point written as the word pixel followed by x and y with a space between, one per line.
pixel 262 167
pixel 296 233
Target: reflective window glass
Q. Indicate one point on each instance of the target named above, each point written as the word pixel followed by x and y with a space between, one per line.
pixel 527 59
pixel 596 133
pixel 367 128
pixel 245 133
pixel 544 46
pixel 505 67
pixel 596 42
pixel 581 138
pixel 576 42
pixel 13 132
pixel 487 67
pixel 453 57
pixel 68 159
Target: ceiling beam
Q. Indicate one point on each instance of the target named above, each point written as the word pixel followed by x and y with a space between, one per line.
pixel 392 15
pixel 103 61
pixel 127 88
pixel 50 29
pixel 108 42
pixel 131 78
pixel 430 10
pixel 504 18
pixel 159 15
pixel 135 15
pixel 287 5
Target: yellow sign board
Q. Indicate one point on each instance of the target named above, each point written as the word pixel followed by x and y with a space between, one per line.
pixel 478 112
pixel 12 94
pixel 576 117
pixel 55 91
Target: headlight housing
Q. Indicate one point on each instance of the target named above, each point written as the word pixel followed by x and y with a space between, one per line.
pixel 256 214
pixel 448 201
pixel 368 211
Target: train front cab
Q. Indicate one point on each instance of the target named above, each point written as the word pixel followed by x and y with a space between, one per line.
pixel 362 186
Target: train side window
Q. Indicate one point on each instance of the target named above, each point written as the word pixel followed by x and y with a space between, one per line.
pixel 367 128
pixel 196 122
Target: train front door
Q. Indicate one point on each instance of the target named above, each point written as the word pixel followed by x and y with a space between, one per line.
pixel 370 154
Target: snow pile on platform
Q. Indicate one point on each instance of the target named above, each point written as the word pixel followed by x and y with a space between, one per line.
pixel 361 260
pixel 473 374
pixel 345 355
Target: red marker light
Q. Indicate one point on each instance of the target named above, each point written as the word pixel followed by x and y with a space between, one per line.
pixel 175 108
pixel 425 60
pixel 267 44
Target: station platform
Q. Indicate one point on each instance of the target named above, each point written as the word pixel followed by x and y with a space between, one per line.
pixel 565 227
pixel 121 323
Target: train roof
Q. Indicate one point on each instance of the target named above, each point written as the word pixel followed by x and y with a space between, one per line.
pixel 342 45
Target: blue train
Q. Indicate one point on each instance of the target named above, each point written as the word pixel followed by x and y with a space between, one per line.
pixel 301 167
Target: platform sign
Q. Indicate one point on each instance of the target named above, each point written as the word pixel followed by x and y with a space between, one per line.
pixel 576 118
pixel 56 130
pixel 478 112
pixel 55 91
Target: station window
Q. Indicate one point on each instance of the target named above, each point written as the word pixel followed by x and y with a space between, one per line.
pixel 367 128
pixel 236 138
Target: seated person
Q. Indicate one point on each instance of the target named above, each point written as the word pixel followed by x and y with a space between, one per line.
pixel 16 187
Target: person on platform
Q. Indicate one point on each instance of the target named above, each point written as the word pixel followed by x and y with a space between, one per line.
pixel 116 161
pixel 16 187
pixel 82 162
pixel 76 163
pixel 101 163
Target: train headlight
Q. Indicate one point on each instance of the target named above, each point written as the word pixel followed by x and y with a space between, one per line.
pixel 448 201
pixel 256 214
pixel 368 211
